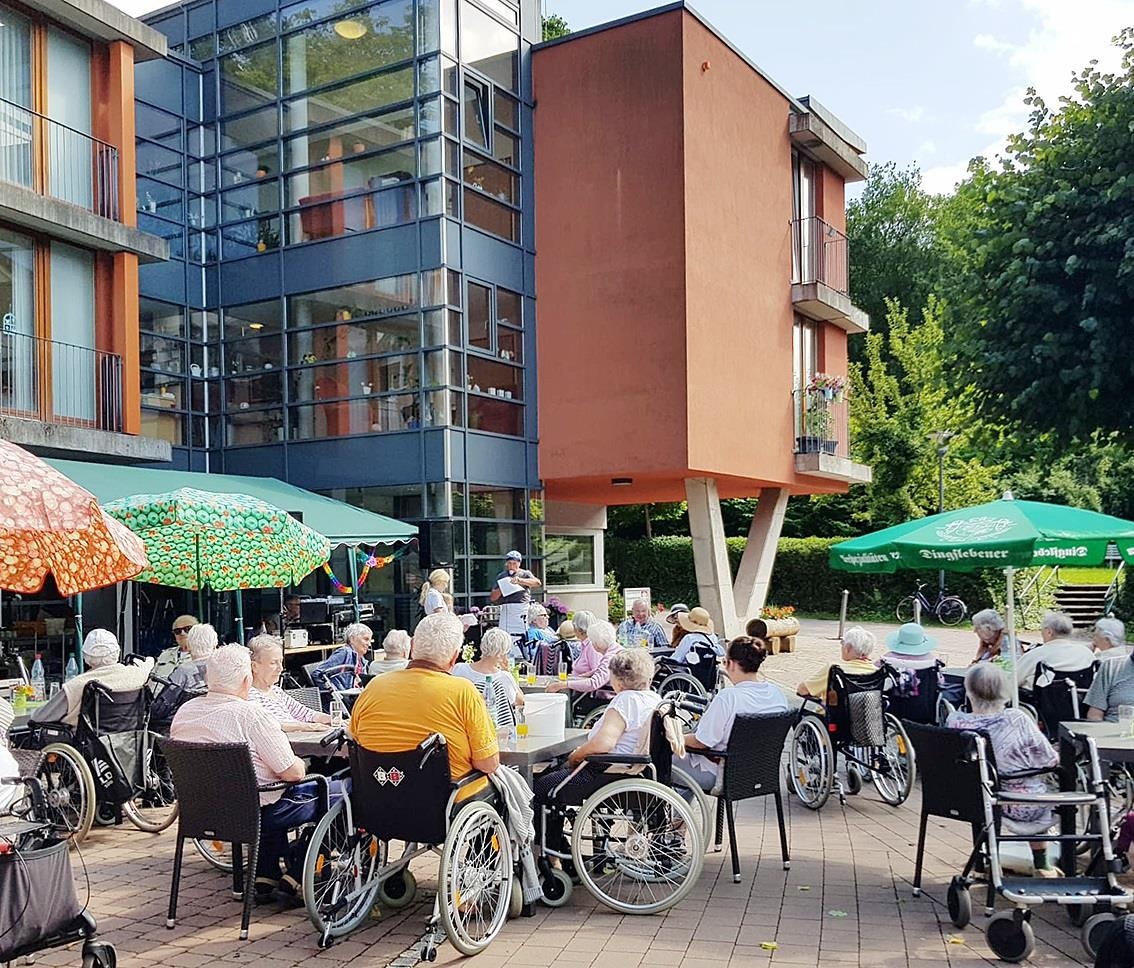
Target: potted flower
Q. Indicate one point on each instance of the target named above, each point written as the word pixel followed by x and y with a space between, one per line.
pixel 780 619
pixel 818 417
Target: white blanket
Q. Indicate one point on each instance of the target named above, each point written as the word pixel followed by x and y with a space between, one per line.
pixel 520 818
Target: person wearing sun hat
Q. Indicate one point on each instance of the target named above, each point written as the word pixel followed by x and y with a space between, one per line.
pixel 910 648
pixel 697 625
pixel 514 605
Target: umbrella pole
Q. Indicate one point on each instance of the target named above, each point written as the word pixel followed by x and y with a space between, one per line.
pixel 78 634
pixel 240 615
pixel 352 559
pixel 1013 645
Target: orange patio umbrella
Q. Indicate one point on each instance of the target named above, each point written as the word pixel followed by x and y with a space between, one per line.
pixel 50 524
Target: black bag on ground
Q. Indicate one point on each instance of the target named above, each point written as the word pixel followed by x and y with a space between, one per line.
pixel 113 783
pixel 37 897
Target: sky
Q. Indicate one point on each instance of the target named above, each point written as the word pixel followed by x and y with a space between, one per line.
pixel 930 83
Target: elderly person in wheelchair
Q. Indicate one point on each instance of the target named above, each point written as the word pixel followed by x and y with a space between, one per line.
pixel 589 681
pixel 854 660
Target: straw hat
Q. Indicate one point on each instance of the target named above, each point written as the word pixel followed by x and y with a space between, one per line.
pixel 566 631
pixel 695 620
pixel 910 639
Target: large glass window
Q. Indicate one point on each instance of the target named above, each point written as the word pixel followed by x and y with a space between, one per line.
pixel 76 377
pixel 335 105
pixel 364 301
pixel 366 415
pixel 253 319
pixel 489 46
pixel 18 377
pixel 249 129
pixel 490 216
pixel 354 137
pixel 297 15
pixel 16 58
pixel 69 105
pixel 248 78
pixel 569 559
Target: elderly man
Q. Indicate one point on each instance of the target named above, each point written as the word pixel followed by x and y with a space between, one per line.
pixel 396 711
pixel 640 629
pixel 1113 686
pixel 190 675
pixel 100 654
pixel 514 596
pixel 854 660
pixel 395 653
pixel 1109 639
pixel 343 668
pixel 170 658
pixel 226 716
pixel 1058 652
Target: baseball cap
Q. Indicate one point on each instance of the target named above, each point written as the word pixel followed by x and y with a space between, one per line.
pixel 513 556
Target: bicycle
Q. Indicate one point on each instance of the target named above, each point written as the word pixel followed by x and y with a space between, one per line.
pixel 948 610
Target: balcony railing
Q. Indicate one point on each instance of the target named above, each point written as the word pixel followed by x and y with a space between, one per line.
pixel 72 166
pixel 76 386
pixel 819 254
pixel 821 423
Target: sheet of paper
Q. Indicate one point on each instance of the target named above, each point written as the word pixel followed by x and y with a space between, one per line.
pixel 508 587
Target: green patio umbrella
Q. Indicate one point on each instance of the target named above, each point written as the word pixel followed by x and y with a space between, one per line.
pixel 226 542
pixel 1006 534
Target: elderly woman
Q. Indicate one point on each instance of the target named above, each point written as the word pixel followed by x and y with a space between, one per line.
pixel 854 660
pixel 992 637
pixel 190 675
pixel 343 668
pixel 495 648
pixel 591 670
pixel 1109 639
pixel 395 652
pixel 1018 746
pixel 267 667
pixel 624 728
pixel 432 597
pixel 100 654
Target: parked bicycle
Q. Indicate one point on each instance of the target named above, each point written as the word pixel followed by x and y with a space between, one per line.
pixel 948 609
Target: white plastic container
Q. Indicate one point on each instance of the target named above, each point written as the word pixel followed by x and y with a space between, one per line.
pixel 546 714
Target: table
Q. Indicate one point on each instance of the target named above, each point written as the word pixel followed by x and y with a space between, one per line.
pixel 306 742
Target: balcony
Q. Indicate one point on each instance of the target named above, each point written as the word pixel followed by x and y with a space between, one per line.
pixel 822 438
pixel 820 283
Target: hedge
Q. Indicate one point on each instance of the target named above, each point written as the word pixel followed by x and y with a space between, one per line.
pixel 801 576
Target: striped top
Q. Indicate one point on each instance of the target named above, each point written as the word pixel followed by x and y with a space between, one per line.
pixel 285 708
pixel 503 685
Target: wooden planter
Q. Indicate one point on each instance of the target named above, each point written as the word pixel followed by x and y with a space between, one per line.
pixel 781 633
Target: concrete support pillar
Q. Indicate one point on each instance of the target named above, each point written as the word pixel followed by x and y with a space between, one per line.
pixel 710 554
pixel 755 571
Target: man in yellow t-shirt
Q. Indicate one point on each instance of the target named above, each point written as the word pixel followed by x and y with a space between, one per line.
pixel 858 643
pixel 399 709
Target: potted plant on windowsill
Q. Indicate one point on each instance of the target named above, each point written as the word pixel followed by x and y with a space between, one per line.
pixel 817 422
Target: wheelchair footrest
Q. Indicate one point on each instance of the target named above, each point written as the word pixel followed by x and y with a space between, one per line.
pixel 1076 890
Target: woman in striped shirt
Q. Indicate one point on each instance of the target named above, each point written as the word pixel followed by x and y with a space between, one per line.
pixel 267 667
pixel 495 647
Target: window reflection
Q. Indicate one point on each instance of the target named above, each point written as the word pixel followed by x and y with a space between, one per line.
pixel 367 415
pixel 489 46
pixel 365 97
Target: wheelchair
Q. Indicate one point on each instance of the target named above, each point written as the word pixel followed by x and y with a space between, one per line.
pixel 410 797
pixel 852 722
pixel 698 674
pixel 106 767
pixel 635 844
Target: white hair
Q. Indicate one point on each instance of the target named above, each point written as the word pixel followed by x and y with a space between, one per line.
pixel 228 668
pixel 437 638
pixel 582 621
pixel 1112 630
pixel 988 618
pixel 396 644
pixel 644 602
pixel 859 641
pixel 633 668
pixel 100 648
pixel 986 686
pixel 495 641
pixel 1058 622
pixel 601 633
pixel 353 631
pixel 535 610
pixel 202 640
pixel 259 644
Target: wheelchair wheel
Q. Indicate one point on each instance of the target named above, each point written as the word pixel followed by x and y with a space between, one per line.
pixel 474 882
pixel 593 716
pixel 960 903
pixel 99 954
pixel 155 807
pixel 398 890
pixel 217 853
pixel 516 902
pixel 898 769
pixel 69 790
pixel 699 802
pixel 339 870
pixel 557 887
pixel 812 762
pixel 1094 932
pixel 637 846
pixel 1010 939
pixel 854 781
pixel 683 682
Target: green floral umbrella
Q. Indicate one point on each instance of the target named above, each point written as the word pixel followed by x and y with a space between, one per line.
pixel 226 542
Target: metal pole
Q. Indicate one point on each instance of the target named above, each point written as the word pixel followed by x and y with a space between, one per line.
pixel 352 561
pixel 1010 574
pixel 917 610
pixel 941 508
pixel 240 615
pixel 843 614
pixel 78 635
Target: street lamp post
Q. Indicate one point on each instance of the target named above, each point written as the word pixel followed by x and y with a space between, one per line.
pixel 941 438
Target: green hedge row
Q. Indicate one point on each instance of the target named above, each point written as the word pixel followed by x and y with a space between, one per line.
pixel 801 577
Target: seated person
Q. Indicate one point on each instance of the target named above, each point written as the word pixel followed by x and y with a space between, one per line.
pixel 267 667
pixel 591 670
pixel 398 710
pixel 641 630
pixel 343 668
pixel 751 695
pixel 169 659
pixel 698 629
pixel 567 634
pixel 225 716
pixel 100 655
pixel 536 634
pixel 910 649
pixel 495 647
pixel 9 769
pixel 992 637
pixel 854 660
pixel 624 728
pixel 395 653
pixel 1109 639
pixel 671 619
pixel 189 675
pixel 1059 651
pixel 1112 687
pixel 1017 745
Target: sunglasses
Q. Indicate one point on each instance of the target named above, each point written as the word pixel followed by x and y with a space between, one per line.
pixel 184 630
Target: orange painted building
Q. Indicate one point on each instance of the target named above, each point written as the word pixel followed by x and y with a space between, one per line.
pixel 691 276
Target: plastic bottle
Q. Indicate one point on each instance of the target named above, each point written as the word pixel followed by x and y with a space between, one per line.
pixel 521 723
pixel 72 669
pixel 338 713
pixel 490 700
pixel 38 680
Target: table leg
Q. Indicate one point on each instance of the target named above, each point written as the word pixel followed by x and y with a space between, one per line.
pixel 1067 857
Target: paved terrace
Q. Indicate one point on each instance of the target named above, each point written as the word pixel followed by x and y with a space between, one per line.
pixel 845 902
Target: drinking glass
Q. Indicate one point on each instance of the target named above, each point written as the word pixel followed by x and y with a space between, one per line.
pixel 53 690
pixel 562 671
pixel 521 729
pixel 1126 720
pixel 529 673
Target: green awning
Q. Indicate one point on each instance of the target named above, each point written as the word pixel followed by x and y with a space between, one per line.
pixel 341 523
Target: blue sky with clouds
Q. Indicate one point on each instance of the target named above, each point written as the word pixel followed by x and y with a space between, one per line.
pixel 926 82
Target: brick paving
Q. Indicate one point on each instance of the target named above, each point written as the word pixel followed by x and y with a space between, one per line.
pixel 845 902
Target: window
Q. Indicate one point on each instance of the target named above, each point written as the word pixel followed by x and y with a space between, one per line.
pixel 477 123
pixel 805 351
pixel 489 47
pixel 74 368
pixel 18 378
pixel 491 216
pixel 569 559
pixel 248 78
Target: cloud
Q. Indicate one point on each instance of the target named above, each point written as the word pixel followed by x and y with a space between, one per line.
pixel 912 115
pixel 942 179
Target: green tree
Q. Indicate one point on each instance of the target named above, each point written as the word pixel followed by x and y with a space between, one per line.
pixel 554 26
pixel 1044 245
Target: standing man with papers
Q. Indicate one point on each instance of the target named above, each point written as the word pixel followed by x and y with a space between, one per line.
pixel 512 593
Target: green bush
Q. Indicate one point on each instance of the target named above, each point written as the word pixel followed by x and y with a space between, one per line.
pixel 802 576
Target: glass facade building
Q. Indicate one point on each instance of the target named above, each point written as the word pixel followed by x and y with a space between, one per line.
pixel 349 303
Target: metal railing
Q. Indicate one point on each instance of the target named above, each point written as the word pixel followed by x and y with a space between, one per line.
pixel 75 167
pixel 819 254
pixel 821 423
pixel 43 379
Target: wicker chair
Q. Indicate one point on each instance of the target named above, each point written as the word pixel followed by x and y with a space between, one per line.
pixel 752 769
pixel 308 695
pixel 220 800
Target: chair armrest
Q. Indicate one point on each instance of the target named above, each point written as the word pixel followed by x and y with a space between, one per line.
pixel 470 777
pixel 617 759
pixel 1024 774
pixel 323 783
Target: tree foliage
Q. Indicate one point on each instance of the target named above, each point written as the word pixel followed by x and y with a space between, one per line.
pixel 554 27
pixel 1043 244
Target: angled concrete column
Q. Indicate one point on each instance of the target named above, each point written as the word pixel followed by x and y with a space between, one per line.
pixel 755 571
pixel 710 554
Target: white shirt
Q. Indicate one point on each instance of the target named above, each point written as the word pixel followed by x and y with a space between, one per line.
pixel 1062 655
pixel 636 707
pixel 378 666
pixel 1115 652
pixel 745 698
pixel 434 602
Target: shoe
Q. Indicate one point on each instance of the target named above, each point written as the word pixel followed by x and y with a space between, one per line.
pixel 289 892
pixel 265 889
pixel 1048 872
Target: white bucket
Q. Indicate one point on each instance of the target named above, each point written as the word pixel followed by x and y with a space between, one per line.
pixel 546 713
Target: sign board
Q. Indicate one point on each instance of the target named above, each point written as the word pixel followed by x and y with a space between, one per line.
pixel 631 595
